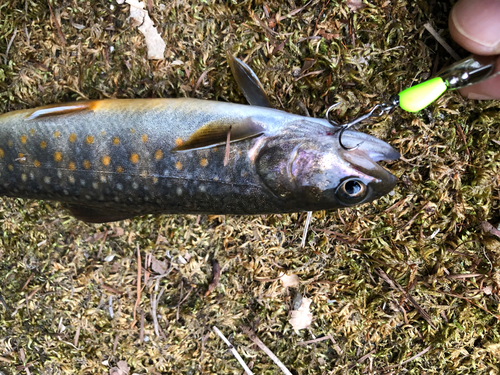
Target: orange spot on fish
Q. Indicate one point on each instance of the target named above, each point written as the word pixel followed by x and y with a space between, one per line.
pixel 203 162
pixel 178 165
pixel 32 131
pixel 57 134
pixel 144 174
pixel 155 180
pixel 86 164
pixel 36 163
pixel 134 158
pixel 132 131
pixel 106 160
pixel 89 139
pixel 2 153
pixel 72 166
pixel 144 138
pixel 10 143
pixel 103 132
pixel 11 167
pixel 43 144
pixel 216 149
pixel 57 156
pixel 119 169
pixel 179 142
pixel 24 138
pixel 72 137
pixel 158 155
pixel 116 141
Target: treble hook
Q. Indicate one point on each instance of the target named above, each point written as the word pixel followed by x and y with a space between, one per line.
pixel 377 111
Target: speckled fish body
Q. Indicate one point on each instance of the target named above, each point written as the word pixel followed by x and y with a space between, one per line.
pixel 114 159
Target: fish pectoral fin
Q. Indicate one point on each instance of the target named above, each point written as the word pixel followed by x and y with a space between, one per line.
pixel 216 134
pixel 62 109
pixel 248 82
pixel 92 214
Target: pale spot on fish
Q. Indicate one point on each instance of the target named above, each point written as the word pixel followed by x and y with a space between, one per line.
pixel 24 177
pixel 71 179
pixel 135 185
pixel 59 173
pixel 103 179
pixel 11 167
pixel 179 191
pixel 144 138
pixel 83 182
pixel 46 179
pixel 119 186
pixel 155 180
pixel 32 131
pixel 178 165
pixel 202 188
pixel 95 185
pixel 144 174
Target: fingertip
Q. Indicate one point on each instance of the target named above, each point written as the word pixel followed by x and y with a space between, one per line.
pixel 486 90
pixel 474 24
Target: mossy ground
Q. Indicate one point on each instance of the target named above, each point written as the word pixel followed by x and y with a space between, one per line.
pixel 58 281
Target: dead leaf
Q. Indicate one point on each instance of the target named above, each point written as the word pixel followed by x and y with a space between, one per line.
pixel 140 17
pixel 158 266
pixel 121 369
pixel 302 317
pixel 355 5
pixel 216 276
pixel 290 280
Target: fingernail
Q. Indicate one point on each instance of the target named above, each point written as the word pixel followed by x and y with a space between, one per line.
pixel 478 20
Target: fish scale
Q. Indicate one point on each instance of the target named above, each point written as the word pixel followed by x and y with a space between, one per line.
pixel 114 159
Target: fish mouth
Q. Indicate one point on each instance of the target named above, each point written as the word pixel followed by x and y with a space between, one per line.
pixel 374 148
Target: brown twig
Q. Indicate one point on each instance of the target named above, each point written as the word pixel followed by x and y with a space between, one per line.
pixel 9 45
pixel 58 27
pixel 252 336
pixel 228 143
pixel 139 270
pixel 441 41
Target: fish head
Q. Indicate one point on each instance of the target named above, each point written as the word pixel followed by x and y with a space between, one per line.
pixel 316 173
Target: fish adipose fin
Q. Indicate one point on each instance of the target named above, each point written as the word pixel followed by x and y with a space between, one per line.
pixel 97 214
pixel 61 109
pixel 248 82
pixel 216 133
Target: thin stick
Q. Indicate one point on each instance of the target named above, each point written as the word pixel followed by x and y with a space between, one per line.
pixel 266 350
pixel 9 45
pixel 228 142
pixel 233 350
pixel 306 229
pixel 58 27
pixel 139 270
pixel 441 41
pixel 417 355
pixel 77 335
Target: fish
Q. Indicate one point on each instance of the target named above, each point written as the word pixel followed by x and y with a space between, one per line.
pixel 110 160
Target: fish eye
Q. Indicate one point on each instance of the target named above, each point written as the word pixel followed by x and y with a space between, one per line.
pixel 351 191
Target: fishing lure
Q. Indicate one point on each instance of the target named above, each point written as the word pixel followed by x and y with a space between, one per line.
pixel 466 72
pixel 109 160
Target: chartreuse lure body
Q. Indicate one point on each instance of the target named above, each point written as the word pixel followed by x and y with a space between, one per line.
pixel 459 75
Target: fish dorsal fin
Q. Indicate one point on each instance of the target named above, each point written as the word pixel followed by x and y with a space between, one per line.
pixel 91 214
pixel 61 109
pixel 249 83
pixel 216 133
